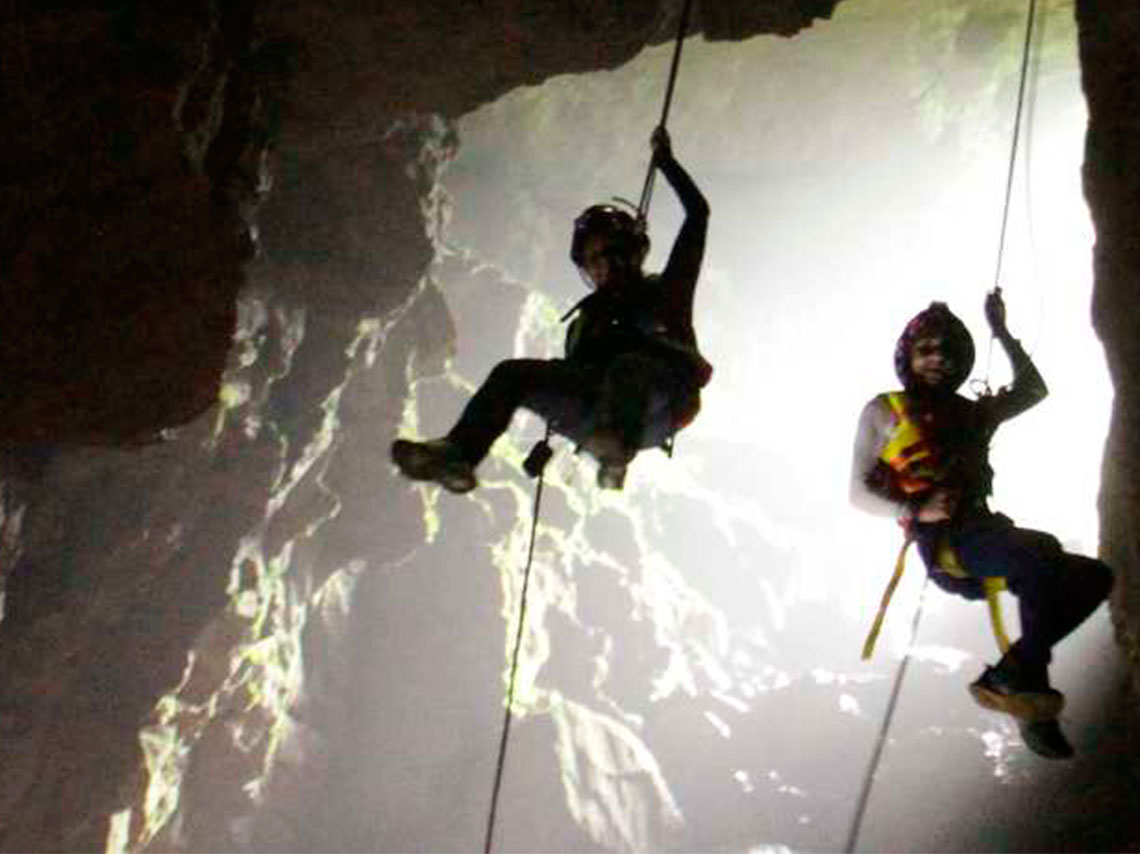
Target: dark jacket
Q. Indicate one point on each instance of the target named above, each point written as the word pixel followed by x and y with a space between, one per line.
pixel 652 313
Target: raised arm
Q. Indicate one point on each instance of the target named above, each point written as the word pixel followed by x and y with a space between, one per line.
pixel 684 265
pixel 1028 388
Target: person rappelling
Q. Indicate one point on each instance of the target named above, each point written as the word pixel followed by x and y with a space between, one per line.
pixel 632 371
pixel 922 455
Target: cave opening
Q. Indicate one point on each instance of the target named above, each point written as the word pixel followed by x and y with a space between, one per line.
pixel 243 631
pixel 856 173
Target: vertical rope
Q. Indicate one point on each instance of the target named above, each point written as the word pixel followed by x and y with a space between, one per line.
pixel 1016 135
pixel 647 188
pixel 884 729
pixel 1025 52
pixel 500 763
pixel 643 209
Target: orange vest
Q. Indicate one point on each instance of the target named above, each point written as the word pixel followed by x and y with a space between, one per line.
pixel 910 454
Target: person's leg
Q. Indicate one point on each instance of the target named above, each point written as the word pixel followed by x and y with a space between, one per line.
pixel 638 395
pixel 1056 591
pixel 557 390
pixel 554 388
pixel 1077 585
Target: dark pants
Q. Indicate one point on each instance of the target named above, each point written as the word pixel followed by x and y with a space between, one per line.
pixel 637 396
pixel 1056 591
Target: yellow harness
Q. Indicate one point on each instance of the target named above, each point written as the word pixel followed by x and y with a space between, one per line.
pixel 912 457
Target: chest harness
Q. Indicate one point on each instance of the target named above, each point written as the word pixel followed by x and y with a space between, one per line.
pixel 917 465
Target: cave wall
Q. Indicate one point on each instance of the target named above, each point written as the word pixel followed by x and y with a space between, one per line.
pixel 176 368
pixel 1110 55
pixel 216 228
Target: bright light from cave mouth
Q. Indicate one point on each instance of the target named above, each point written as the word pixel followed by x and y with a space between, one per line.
pixel 843 204
pixel 817 355
pixel 822 245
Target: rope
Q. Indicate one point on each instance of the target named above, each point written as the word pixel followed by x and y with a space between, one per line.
pixel 538 460
pixel 540 455
pixel 1025 52
pixel 884 730
pixel 647 188
pixel 896 690
pixel 1016 134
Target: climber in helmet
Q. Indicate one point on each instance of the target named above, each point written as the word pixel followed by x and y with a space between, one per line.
pixel 922 456
pixel 632 373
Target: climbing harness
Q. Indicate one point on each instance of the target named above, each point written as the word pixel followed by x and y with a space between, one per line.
pixel 947 560
pixel 914 460
pixel 991 586
pixel 535 467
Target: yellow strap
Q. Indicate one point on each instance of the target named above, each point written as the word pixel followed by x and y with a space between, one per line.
pixel 994 586
pixel 873 635
pixel 949 563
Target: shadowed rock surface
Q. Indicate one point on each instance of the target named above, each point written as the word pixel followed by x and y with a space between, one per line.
pixel 218 226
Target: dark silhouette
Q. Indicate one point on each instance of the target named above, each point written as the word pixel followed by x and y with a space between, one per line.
pixel 632 373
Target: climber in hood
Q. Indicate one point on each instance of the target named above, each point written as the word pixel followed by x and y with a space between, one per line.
pixel 632 373
pixel 922 456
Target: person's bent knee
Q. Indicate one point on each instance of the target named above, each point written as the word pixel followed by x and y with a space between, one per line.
pixel 1102 576
pixel 512 371
pixel 1092 574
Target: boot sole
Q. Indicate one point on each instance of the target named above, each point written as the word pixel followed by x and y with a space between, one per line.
pixel 1047 747
pixel 417 463
pixel 1026 706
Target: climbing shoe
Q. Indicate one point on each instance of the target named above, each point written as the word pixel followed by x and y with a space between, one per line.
pixel 439 460
pixel 1045 739
pixel 1000 690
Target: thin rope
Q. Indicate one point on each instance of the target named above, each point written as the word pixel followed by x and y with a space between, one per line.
pixel 501 762
pixel 1025 52
pixel 1039 27
pixel 896 690
pixel 1016 134
pixel 884 730
pixel 647 188
pixel 642 211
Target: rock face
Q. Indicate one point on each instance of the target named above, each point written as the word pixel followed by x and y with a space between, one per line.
pixel 191 353
pixel 1109 55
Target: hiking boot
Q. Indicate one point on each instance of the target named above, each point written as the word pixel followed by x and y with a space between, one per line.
pixel 439 460
pixel 1000 689
pixel 1046 739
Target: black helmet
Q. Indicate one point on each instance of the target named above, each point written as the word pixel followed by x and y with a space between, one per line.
pixel 609 221
pixel 938 320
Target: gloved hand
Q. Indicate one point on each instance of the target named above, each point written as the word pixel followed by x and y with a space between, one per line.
pixel 661 144
pixel 995 312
